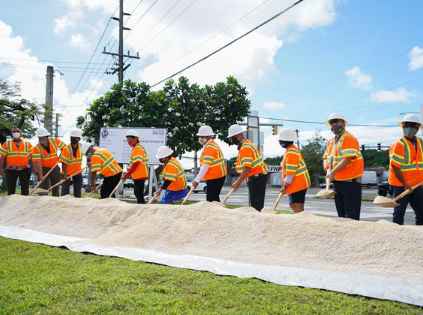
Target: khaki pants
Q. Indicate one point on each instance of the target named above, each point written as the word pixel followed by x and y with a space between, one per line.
pixel 53 178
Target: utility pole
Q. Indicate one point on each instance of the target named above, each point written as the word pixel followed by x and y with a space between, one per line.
pixel 48 114
pixel 298 139
pixel 57 126
pixel 120 66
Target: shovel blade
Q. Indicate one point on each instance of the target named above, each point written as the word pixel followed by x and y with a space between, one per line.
pixel 325 194
pixel 385 202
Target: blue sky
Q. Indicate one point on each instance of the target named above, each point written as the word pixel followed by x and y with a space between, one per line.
pixel 323 56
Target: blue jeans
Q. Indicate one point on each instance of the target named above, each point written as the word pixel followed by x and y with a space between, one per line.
pixel 416 202
pixel 348 199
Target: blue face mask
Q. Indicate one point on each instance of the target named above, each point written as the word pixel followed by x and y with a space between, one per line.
pixel 285 144
pixel 410 132
pixel 337 129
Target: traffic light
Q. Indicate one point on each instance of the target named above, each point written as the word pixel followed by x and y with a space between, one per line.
pixel 275 130
pixel 363 148
pixel 378 146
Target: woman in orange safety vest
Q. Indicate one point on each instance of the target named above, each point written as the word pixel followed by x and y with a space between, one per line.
pixel 295 176
pixel 138 165
pixel 213 166
pixel 17 152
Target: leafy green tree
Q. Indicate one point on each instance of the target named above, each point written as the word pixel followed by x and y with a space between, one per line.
pixel 180 107
pixel 273 160
pixel 375 158
pixel 16 111
pixel 312 153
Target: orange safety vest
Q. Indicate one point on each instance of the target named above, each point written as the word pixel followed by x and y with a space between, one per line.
pixel 103 161
pixel 139 154
pixel 293 164
pixel 346 147
pixel 174 172
pixel 72 164
pixel 47 159
pixel 212 155
pixel 249 156
pixel 15 156
pixel 403 154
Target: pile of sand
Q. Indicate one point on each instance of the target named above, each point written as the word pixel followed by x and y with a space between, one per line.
pixel 244 235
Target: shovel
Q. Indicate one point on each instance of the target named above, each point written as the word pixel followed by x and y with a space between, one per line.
pixel 152 199
pixel 227 196
pixel 41 181
pixel 95 189
pixel 277 201
pixel 117 186
pixel 325 194
pixel 187 196
pixel 392 203
pixel 62 181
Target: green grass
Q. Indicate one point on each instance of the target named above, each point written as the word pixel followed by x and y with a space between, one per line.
pixel 38 279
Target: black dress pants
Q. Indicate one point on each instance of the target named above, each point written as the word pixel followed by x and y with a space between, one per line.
pixel 214 187
pixel 139 190
pixel 77 186
pixel 12 177
pixel 257 190
pixel 109 183
pixel 348 199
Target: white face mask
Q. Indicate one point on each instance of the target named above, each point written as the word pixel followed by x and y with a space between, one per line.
pixel 16 135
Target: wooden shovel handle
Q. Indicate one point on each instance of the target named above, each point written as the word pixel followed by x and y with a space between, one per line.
pixel 117 186
pixel 95 189
pixel 187 196
pixel 327 184
pixel 67 178
pixel 44 178
pixel 152 199
pixel 227 196
pixel 406 192
pixel 277 201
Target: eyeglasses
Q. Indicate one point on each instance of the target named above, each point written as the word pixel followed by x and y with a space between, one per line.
pixel 335 121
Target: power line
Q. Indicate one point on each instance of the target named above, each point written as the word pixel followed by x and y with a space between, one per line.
pixel 231 42
pixel 158 34
pixel 148 32
pixel 323 123
pixel 44 60
pixel 205 42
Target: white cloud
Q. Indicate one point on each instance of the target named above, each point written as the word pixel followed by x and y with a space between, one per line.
pixel 401 95
pixel 273 105
pixel 416 58
pixel 250 59
pixel 358 79
pixel 61 25
pixel 79 41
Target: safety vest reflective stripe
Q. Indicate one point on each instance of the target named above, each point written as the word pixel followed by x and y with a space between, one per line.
pixel 11 153
pixel 397 158
pixel 71 159
pixel 143 160
pixel 406 163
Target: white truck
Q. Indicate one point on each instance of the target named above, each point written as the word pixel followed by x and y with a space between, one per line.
pixel 369 179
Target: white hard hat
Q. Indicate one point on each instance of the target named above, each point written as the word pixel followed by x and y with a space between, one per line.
pixel 42 132
pixel 335 116
pixel 287 134
pixel 411 118
pixel 235 130
pixel 205 131
pixel 76 133
pixel 85 147
pixel 163 151
pixel 132 133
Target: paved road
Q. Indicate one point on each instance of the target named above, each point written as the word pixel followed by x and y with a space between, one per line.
pixel 369 211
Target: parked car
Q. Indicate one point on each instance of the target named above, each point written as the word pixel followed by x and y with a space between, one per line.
pixel 323 185
pixel 384 188
pixel 129 183
pixel 202 186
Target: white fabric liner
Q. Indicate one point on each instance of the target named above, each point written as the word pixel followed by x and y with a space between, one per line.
pixel 405 291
